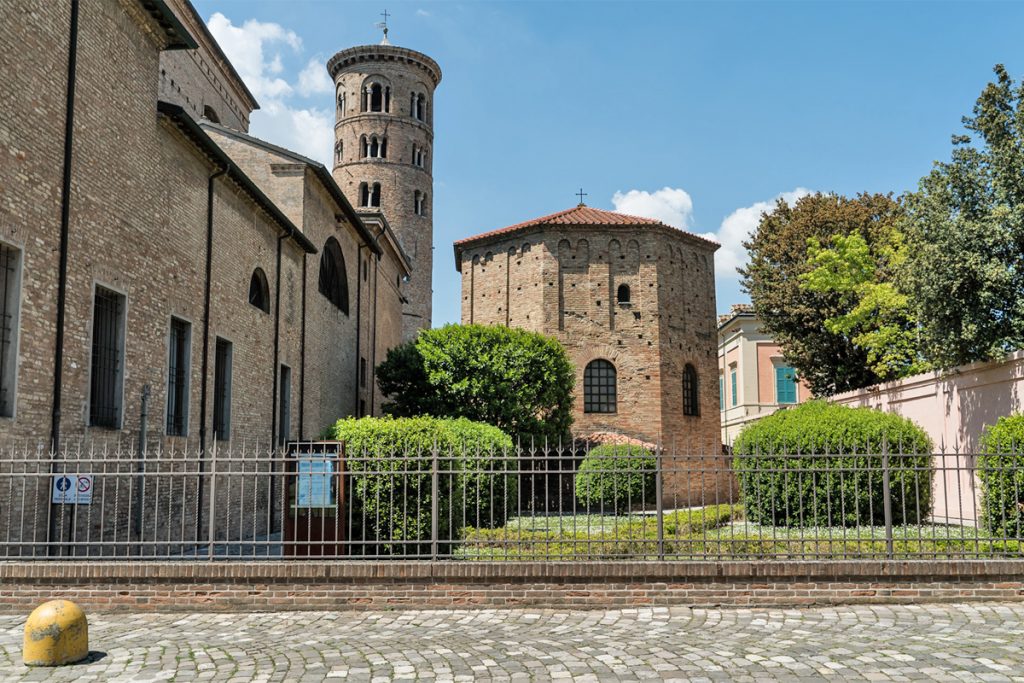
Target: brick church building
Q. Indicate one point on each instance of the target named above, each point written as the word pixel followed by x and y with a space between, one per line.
pixel 147 240
pixel 633 302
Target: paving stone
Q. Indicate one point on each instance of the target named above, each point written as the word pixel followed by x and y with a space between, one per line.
pixel 976 642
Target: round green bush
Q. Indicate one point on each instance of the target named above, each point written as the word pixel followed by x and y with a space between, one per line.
pixel 819 464
pixel 1001 471
pixel 391 460
pixel 616 477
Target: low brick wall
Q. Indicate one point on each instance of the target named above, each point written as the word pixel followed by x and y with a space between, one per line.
pixel 257 586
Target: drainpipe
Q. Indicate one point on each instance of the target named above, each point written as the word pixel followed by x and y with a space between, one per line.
pixel 359 312
pixel 62 269
pixel 302 355
pixel 373 348
pixel 277 352
pixel 204 379
pixel 65 221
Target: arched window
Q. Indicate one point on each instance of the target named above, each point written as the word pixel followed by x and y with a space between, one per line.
pixel 364 147
pixel 691 404
pixel 341 102
pixel 376 92
pixel 599 387
pixel 421 107
pixel 622 295
pixel 375 195
pixel 374 148
pixel 384 148
pixel 210 114
pixel 338 150
pixel 417 203
pixel 364 194
pixel 387 99
pixel 259 292
pixel 333 278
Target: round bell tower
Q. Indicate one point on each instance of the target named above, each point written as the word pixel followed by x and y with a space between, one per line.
pixel 383 152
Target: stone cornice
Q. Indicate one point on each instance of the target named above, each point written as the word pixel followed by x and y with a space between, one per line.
pixel 365 54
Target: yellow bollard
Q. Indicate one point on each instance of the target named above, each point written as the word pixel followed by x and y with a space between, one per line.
pixel 56 633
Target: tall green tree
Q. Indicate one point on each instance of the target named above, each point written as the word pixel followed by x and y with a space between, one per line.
pixel 965 231
pixel 829 360
pixel 879 317
pixel 513 379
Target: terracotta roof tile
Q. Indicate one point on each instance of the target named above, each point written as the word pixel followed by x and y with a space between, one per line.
pixel 578 215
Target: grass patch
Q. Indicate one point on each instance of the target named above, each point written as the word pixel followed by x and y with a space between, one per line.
pixel 718 532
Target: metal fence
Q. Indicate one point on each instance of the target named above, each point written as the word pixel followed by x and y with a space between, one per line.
pixel 530 503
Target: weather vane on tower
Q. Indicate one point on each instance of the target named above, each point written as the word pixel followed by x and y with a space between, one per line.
pixel 383 25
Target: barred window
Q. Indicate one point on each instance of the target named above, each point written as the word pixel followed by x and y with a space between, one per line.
pixel 333 278
pixel 10 300
pixel 178 361
pixel 259 290
pixel 691 405
pixel 107 371
pixel 599 387
pixel 222 390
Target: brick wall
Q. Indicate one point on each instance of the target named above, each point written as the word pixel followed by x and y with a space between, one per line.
pixel 367 585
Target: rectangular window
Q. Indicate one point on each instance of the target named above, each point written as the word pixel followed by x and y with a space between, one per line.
pixel 732 379
pixel 785 384
pixel 362 372
pixel 721 392
pixel 222 391
pixel 107 372
pixel 285 408
pixel 178 371
pixel 10 302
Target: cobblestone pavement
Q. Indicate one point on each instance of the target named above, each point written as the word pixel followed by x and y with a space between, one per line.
pixel 977 642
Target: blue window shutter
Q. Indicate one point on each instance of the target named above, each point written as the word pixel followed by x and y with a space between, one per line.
pixel 733 374
pixel 785 385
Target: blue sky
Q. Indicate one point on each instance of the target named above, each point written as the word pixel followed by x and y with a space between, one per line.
pixel 696 113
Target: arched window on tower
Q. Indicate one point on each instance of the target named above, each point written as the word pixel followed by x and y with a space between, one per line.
pixel 364 147
pixel 387 99
pixel 375 195
pixel 421 107
pixel 259 291
pixel 622 294
pixel 364 194
pixel 338 151
pixel 376 97
pixel 374 148
pixel 210 114
pixel 417 203
pixel 599 387
pixel 691 404
pixel 333 278
pixel 341 103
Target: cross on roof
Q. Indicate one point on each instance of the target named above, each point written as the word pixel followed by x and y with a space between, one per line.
pixel 581 194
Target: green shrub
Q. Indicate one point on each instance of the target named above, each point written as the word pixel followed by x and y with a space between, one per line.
pixel 514 379
pixel 390 461
pixel 820 464
pixel 616 477
pixel 1001 471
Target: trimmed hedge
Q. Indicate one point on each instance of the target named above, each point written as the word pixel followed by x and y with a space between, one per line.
pixel 615 477
pixel 820 464
pixel 1001 471
pixel 390 460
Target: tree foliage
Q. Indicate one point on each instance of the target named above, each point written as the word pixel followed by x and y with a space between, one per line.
pixel 798 316
pixel 513 379
pixel 965 230
pixel 878 316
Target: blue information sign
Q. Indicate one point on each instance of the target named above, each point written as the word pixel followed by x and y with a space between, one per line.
pixel 313 489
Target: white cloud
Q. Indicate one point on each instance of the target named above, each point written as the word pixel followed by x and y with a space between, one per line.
pixel 255 50
pixel 669 205
pixel 313 80
pixel 738 226
pixel 422 13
